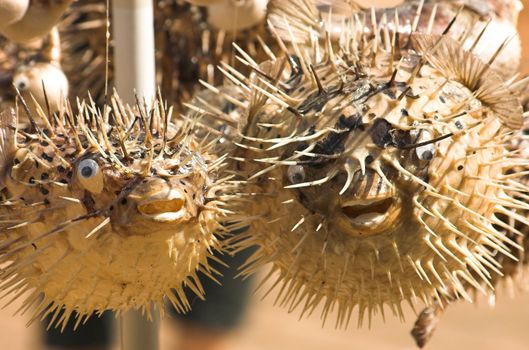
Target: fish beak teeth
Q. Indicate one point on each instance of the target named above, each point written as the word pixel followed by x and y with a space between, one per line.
pixel 367 212
pixel 170 208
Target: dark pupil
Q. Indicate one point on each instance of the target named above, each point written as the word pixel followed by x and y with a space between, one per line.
pixel 427 155
pixel 297 177
pixel 86 171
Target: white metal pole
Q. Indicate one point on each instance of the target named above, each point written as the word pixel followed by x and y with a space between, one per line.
pixel 134 65
pixel 134 69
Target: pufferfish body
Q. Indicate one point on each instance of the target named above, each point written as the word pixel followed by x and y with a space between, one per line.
pixel 98 216
pixel 410 16
pixel 378 172
pixel 25 20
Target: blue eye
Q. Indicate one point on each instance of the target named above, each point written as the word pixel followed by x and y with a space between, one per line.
pixel 87 168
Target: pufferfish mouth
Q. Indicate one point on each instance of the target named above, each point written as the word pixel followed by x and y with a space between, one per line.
pixel 167 209
pixel 368 213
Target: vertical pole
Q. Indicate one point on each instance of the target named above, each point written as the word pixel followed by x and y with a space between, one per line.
pixel 134 67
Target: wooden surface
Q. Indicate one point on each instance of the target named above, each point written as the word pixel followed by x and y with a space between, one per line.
pixel 267 327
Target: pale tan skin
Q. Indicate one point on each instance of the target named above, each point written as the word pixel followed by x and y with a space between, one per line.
pixel 352 222
pixel 34 20
pixel 12 11
pixel 499 16
pixel 102 222
pixel 43 81
pixel 233 15
pixel 33 80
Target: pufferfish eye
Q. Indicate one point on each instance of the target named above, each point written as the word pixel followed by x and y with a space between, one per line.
pixel 88 168
pixel 427 151
pixel 21 82
pixel 296 174
pixel 90 176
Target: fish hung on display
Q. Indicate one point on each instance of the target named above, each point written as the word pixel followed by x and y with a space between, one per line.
pixel 379 168
pixel 110 208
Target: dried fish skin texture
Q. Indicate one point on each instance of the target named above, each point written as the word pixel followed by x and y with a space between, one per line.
pixel 98 216
pixel 378 174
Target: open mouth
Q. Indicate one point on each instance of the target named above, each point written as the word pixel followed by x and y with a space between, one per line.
pixel 367 212
pixel 168 209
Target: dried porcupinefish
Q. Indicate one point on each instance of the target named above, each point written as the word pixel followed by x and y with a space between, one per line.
pixel 425 16
pixel 379 172
pixel 97 216
pixel 43 79
pixel 27 20
pixel 513 273
pixel 35 71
